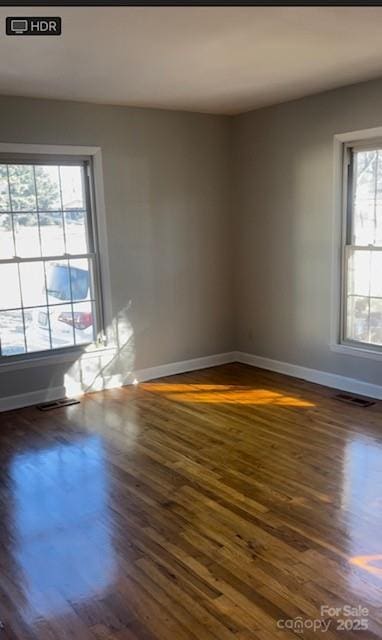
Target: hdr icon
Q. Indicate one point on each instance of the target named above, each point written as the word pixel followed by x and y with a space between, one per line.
pixel 33 26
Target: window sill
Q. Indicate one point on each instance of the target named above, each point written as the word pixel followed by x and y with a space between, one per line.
pixel 358 352
pixel 54 358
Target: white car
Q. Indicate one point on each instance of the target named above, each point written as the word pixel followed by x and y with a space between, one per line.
pixel 67 326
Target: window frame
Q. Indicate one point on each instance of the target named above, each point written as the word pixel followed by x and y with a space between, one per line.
pixel 346 344
pixel 91 158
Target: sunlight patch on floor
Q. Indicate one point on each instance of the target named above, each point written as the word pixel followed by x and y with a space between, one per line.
pixel 372 563
pixel 223 394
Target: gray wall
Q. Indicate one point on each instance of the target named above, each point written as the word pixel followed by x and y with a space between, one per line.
pixel 283 209
pixel 220 230
pixel 167 190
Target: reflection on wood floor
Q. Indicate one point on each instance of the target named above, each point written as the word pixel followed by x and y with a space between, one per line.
pixel 229 503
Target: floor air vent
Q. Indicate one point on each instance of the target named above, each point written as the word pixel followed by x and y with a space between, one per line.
pixel 57 404
pixel 356 400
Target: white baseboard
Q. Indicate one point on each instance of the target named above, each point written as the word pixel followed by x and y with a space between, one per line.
pixel 33 397
pixel 141 375
pixel 169 369
pixel 183 366
pixel 111 382
pixel 324 378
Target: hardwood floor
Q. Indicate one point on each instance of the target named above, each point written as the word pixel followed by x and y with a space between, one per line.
pixel 220 504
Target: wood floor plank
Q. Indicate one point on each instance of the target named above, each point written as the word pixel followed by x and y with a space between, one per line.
pixel 211 505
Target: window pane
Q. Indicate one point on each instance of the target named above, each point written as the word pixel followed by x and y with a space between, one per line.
pixel 52 233
pixel 4 192
pixel 32 284
pixel 6 237
pixel 72 188
pixel 364 196
pixel 27 235
pixel 376 274
pixel 61 323
pixel 84 316
pixel 76 231
pixel 9 287
pixel 357 322
pixel 58 281
pixel 37 329
pixel 364 286
pixel 80 279
pixel 359 272
pixel 376 321
pixel 11 333
pixel 48 188
pixel 367 215
pixel 22 187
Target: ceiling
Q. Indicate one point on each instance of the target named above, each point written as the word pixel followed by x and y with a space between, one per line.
pixel 210 59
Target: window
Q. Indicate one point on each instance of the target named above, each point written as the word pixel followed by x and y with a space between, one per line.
pixel 362 282
pixel 49 274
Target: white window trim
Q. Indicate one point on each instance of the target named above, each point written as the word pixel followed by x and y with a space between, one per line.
pixel 73 353
pixel 339 229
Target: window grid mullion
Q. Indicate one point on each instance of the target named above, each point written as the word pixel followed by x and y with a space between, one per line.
pixel 22 309
pixel 364 247
pixel 11 213
pixel 58 304
pixel 89 226
pixel 71 301
pixel 375 195
pixel 62 209
pixel 37 210
pixel 28 211
pixel 362 295
pixel 47 306
pixel 65 247
pixel 67 256
pixel 44 264
pixel 368 300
